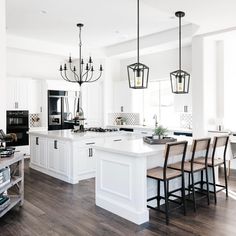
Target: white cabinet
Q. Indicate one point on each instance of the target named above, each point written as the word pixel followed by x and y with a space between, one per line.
pixel 58 156
pixel 122 97
pixel 35 96
pixel 85 155
pixel 17 93
pixel 92 103
pixel 38 151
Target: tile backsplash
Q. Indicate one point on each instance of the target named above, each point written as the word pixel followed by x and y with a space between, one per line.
pixel 186 120
pixel 131 118
pixel 35 120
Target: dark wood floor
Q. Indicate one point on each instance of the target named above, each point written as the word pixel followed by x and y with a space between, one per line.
pixel 55 208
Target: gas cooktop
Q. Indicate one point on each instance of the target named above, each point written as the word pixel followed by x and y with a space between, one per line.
pixel 97 129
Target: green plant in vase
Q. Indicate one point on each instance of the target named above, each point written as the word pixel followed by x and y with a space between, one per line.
pixel 160 131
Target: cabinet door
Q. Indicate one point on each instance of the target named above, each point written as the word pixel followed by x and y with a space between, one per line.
pixel 11 94
pixel 17 93
pixel 92 103
pixel 86 161
pixel 58 156
pixel 38 151
pixel 34 150
pixel 42 150
pixel 35 95
pixel 23 93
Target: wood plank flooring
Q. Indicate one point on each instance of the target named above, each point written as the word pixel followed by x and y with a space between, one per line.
pixel 54 208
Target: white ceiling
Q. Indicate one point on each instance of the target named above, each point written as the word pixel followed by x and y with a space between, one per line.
pixel 109 22
pixel 106 22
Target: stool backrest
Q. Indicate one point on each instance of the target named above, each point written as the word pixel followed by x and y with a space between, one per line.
pixel 175 149
pixel 220 141
pixel 200 145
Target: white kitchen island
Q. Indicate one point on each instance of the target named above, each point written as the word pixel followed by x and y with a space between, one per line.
pixel 121 183
pixel 66 155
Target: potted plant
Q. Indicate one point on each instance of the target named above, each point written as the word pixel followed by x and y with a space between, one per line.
pixel 160 132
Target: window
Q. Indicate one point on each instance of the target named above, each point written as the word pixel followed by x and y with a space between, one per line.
pixel 158 99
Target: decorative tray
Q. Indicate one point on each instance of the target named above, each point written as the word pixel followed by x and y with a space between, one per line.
pixel 6 152
pixel 150 140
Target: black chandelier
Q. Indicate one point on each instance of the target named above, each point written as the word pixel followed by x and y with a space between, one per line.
pixel 85 73
pixel 180 79
pixel 137 72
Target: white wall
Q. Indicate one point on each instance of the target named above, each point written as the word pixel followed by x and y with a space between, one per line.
pixel 2 64
pixel 230 85
pixel 23 63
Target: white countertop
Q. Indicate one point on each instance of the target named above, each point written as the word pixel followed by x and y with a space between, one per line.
pixel 71 136
pixel 150 128
pixel 135 147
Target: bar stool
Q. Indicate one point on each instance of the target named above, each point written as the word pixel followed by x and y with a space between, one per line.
pixel 166 174
pixel 213 161
pixel 199 145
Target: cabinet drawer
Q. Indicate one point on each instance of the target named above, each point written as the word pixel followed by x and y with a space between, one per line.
pixel 89 142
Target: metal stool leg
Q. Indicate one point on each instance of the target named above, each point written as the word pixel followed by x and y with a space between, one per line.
pixel 158 193
pixel 183 194
pixel 193 190
pixel 214 183
pixel 226 180
pixel 207 183
pixel 166 201
pixel 189 185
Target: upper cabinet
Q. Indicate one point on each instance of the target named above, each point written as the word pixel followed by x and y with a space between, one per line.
pixel 17 94
pixel 92 103
pixel 24 94
pixel 36 96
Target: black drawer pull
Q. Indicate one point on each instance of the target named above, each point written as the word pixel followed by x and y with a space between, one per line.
pixel 55 144
pixel 37 140
pixel 90 152
pixel 116 140
pixel 89 143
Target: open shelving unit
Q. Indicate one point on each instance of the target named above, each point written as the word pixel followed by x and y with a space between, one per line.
pixel 16 165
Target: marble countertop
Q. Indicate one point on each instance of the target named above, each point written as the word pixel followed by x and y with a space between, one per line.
pixel 150 128
pixel 136 147
pixel 68 135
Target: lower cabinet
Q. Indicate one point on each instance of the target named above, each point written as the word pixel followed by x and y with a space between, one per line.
pixel 38 151
pixel 58 156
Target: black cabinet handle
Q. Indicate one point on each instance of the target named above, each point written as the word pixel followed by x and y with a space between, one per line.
pixel 37 140
pixel 16 105
pixel 55 144
pixel 143 132
pixel 116 140
pixel 89 143
pixel 90 152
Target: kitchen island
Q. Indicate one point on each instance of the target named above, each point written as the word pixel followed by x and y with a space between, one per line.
pixel 66 155
pixel 121 183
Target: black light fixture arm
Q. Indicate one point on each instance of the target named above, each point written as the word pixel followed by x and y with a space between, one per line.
pixel 83 74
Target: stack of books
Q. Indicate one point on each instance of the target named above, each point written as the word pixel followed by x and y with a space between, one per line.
pixel 4 202
pixel 4 177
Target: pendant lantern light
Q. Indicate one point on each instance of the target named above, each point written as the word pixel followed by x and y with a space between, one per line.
pixel 180 79
pixel 137 72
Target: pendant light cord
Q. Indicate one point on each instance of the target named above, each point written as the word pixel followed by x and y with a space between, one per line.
pixel 180 43
pixel 80 54
pixel 138 31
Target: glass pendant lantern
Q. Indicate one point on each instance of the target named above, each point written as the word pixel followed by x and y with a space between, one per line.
pixel 138 73
pixel 179 79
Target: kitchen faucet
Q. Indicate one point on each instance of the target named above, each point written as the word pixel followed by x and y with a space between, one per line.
pixel 155 118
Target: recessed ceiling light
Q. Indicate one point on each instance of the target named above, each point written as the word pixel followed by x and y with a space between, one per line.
pixel 43 12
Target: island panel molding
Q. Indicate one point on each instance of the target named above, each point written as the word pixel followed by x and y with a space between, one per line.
pixel 132 206
pixel 117 187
